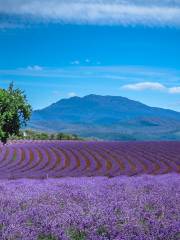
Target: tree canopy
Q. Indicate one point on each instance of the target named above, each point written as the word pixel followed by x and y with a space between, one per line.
pixel 15 111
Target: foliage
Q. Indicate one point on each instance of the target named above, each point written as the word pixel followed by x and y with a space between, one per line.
pixel 102 231
pixel 46 237
pixel 76 234
pixel 35 135
pixel 14 111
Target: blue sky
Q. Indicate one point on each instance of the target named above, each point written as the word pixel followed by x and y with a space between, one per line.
pixel 58 49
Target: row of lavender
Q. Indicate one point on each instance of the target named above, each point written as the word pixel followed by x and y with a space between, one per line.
pixel 42 159
pixel 98 208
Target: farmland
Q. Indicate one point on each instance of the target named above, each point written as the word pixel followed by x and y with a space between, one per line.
pixel 78 190
pixel 54 159
pixel 98 208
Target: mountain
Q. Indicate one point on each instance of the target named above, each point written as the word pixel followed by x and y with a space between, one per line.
pixel 108 117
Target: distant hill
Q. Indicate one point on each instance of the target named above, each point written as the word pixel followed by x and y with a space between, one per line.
pixel 109 118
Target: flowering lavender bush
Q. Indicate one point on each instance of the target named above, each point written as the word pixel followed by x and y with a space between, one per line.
pixel 97 208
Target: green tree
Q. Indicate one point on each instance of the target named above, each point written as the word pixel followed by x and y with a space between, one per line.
pixel 14 112
pixel 60 136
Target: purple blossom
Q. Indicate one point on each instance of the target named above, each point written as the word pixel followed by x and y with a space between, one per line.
pixel 95 208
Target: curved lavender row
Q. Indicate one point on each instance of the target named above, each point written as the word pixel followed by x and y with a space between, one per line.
pixel 40 168
pixel 100 165
pixel 38 159
pixel 137 157
pixel 43 159
pixel 23 158
pixel 61 159
pixel 3 155
pixel 164 166
pixel 163 163
pixel 26 169
pixel 149 157
pixel 72 170
pixel 165 150
pixel 35 159
pixel 16 161
pixel 175 157
pixel 118 165
pixel 168 163
pixel 110 164
pixel 71 148
pixel 125 159
pixel 28 157
pixel 92 165
pixel 70 162
pixel 8 158
pixel 153 165
pixel 81 163
pixel 122 165
pixel 170 157
pixel 67 165
pixel 51 160
pixel 86 155
pixel 99 158
pixel 124 152
pixel 87 162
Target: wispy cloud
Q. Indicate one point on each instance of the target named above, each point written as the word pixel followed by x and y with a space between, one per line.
pixel 87 60
pixel 174 90
pixel 145 86
pixel 130 78
pixel 101 12
pixel 76 62
pixel 34 68
pixel 71 94
pixel 125 74
pixel 151 86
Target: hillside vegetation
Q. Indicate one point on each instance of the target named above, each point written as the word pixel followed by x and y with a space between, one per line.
pixel 36 135
pixel 109 118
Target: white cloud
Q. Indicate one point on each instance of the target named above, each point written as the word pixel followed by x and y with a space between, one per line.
pixel 72 94
pixel 151 86
pixel 174 90
pixel 34 68
pixel 103 12
pixel 130 77
pixel 87 60
pixel 76 62
pixel 144 86
pixel 125 74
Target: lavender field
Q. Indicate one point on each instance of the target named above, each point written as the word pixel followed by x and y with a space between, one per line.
pixel 54 159
pixel 137 208
pixel 78 190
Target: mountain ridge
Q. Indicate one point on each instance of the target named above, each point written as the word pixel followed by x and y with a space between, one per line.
pixel 108 117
